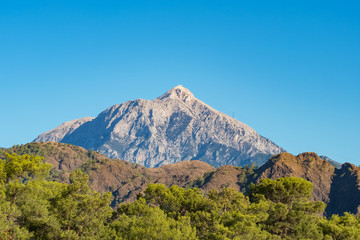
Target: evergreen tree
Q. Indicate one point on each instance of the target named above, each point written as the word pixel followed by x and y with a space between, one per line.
pixel 32 207
pixel 291 213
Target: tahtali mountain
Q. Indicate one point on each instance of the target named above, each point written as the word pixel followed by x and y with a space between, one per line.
pixel 171 128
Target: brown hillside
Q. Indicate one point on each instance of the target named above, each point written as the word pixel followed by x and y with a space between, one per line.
pixel 345 190
pixel 125 180
pixel 64 157
pixel 225 176
pixel 306 165
pixel 339 188
pixel 180 173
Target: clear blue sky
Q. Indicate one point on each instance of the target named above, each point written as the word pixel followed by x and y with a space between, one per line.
pixel 289 69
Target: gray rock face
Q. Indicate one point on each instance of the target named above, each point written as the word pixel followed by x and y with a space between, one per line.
pixel 171 128
pixel 332 162
pixel 58 133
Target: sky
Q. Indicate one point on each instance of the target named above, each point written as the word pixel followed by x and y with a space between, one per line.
pixel 288 69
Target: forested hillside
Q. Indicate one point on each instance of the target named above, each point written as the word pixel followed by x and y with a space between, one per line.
pixel 32 207
pixel 123 179
pixel 338 188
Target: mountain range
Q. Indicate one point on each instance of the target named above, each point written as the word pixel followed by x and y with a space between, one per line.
pixel 338 188
pixel 177 139
pixel 171 128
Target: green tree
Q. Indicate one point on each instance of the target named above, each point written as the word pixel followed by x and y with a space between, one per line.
pixel 219 215
pixel 31 207
pixel 341 227
pixel 82 213
pixel 138 220
pixel 291 213
pixel 15 172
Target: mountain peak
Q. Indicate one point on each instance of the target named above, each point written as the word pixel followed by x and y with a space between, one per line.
pixel 178 92
pixel 172 128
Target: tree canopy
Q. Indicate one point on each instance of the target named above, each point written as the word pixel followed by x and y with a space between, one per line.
pixel 34 207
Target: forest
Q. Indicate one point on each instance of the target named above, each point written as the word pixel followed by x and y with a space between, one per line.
pixel 34 206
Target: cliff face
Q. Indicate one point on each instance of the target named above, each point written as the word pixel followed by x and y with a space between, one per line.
pixel 171 128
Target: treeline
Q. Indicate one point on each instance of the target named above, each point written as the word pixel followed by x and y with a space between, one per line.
pixel 34 207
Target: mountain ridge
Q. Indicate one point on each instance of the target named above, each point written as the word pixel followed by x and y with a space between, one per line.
pixel 58 133
pixel 338 188
pixel 171 128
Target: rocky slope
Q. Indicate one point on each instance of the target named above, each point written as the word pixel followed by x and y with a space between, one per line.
pixel 58 133
pixel 171 128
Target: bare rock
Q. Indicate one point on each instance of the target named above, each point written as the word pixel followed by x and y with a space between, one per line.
pixel 171 128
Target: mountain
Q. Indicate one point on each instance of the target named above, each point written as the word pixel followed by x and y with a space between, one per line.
pixel 123 179
pixel 338 188
pixel 345 190
pixel 306 165
pixel 58 133
pixel 171 128
pixel 332 162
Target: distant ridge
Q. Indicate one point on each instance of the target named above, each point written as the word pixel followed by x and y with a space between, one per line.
pixel 332 162
pixel 58 133
pixel 171 128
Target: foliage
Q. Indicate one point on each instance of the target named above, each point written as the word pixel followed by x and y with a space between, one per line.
pixel 32 207
pixel 293 215
pixel 341 227
pixel 138 220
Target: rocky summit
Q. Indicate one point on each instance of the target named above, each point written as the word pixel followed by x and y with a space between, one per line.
pixel 171 128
